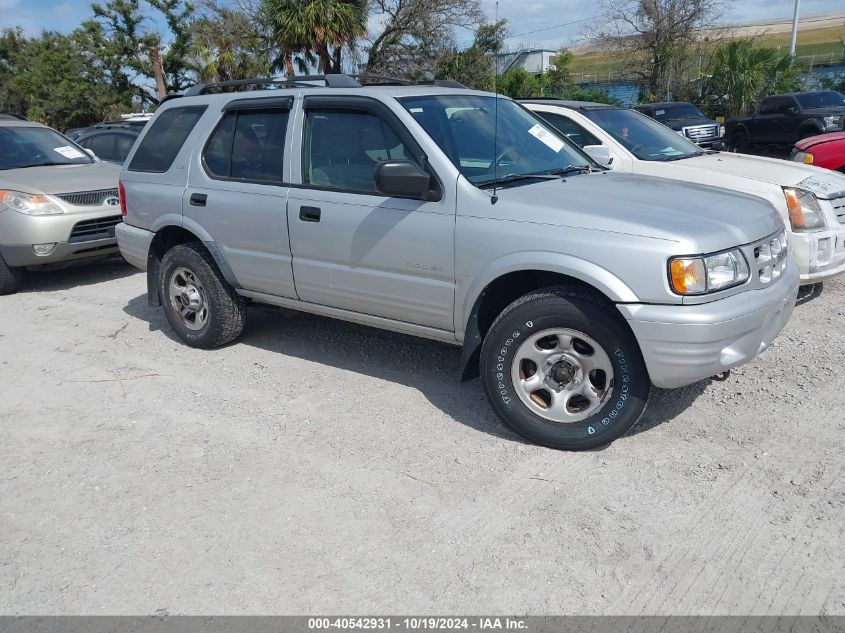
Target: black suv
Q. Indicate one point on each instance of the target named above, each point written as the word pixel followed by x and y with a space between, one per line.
pixel 686 119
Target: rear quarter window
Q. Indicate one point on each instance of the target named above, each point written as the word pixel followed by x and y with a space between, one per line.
pixel 165 138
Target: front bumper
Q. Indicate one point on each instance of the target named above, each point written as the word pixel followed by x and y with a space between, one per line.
pixel 77 234
pixel 682 344
pixel 820 255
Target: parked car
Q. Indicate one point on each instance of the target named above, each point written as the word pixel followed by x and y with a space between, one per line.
pixel 570 289
pixel 811 202
pixel 785 119
pixel 688 120
pixel 129 125
pixel 57 203
pixel 825 150
pixel 109 144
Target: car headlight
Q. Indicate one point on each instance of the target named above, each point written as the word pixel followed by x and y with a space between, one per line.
pixel 721 131
pixel 832 122
pixel 708 273
pixel 30 204
pixel 805 214
pixel 802 157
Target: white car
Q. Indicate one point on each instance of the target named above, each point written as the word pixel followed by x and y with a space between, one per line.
pixel 811 200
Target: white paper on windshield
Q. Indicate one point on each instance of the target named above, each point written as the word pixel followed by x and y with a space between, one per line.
pixel 823 186
pixel 546 137
pixel 68 152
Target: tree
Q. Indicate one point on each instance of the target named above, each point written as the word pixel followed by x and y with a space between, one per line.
pixel 657 38
pixel 320 27
pixel 474 66
pixel 414 33
pixel 741 74
pixel 176 61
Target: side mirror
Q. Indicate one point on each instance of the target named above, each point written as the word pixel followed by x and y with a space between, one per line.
pixel 599 153
pixel 401 178
pixel 792 110
pixel 90 152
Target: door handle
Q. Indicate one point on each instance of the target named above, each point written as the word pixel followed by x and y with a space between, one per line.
pixel 309 214
pixel 198 199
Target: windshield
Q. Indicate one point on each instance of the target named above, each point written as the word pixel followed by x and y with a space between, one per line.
pixel 37 146
pixel 464 127
pixel 682 111
pixel 826 99
pixel 643 137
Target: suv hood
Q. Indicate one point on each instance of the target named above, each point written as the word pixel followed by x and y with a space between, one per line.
pixel 825 184
pixel 61 178
pixel 701 219
pixel 678 124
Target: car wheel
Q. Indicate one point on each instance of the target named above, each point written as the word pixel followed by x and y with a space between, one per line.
pixel 740 141
pixel 203 309
pixel 11 278
pixel 562 370
pixel 807 132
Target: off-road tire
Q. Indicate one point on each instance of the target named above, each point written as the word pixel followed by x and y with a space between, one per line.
pixel 585 312
pixel 11 278
pixel 227 310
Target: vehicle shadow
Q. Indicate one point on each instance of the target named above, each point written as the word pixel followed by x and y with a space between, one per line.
pixel 84 273
pixel 431 367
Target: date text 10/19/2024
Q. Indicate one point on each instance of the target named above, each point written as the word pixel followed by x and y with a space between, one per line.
pixel 418 624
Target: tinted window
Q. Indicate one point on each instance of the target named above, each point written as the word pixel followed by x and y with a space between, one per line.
pixel 102 145
pixel 569 128
pixel 826 99
pixel 248 146
pixel 27 146
pixel 164 139
pixel 342 148
pixel 123 145
pixel 645 138
pixel 768 106
pixel 464 127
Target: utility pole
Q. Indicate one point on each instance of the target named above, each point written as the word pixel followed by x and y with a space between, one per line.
pixel 794 29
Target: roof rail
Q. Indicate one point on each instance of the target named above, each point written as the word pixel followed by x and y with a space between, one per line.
pixel 13 115
pixel 336 80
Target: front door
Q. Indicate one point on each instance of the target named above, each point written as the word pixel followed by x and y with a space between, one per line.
pixel 353 247
pixel 236 194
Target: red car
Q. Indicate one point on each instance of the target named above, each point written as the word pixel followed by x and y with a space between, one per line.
pixel 824 150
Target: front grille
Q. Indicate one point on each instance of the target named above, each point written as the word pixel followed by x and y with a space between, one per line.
pixel 769 258
pixel 699 133
pixel 839 209
pixel 98 229
pixel 88 198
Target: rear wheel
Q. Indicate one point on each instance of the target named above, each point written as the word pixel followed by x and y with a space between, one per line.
pixel 202 308
pixel 11 278
pixel 562 370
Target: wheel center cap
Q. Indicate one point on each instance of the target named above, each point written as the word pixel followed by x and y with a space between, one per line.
pixel 191 298
pixel 563 372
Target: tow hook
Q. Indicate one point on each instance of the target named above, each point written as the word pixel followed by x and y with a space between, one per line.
pixel 722 377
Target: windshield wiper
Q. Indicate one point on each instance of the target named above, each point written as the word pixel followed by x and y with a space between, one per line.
pixel 516 177
pixel 571 169
pixel 681 157
pixel 47 164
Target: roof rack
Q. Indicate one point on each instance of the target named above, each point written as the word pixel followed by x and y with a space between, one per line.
pixel 336 80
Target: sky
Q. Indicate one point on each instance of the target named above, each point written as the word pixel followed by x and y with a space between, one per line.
pixel 540 23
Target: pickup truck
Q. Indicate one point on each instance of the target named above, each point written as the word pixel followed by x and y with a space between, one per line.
pixel 785 119
pixel 688 121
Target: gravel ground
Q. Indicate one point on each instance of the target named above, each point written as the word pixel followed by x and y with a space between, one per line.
pixel 319 466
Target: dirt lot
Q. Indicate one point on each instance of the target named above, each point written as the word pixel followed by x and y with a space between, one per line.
pixel 318 466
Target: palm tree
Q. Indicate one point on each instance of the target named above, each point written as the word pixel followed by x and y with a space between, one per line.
pixel 315 27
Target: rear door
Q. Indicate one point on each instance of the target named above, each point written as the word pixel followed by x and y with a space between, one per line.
pixel 236 193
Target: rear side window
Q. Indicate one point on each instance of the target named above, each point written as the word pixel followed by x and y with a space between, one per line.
pixel 248 146
pixel 164 139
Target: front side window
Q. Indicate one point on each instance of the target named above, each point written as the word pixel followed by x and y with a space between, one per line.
pixel 768 106
pixel 569 128
pixel 825 99
pixel 486 150
pixel 102 145
pixel 343 148
pixel 645 138
pixel 248 146
pixel 30 146
pixel 165 138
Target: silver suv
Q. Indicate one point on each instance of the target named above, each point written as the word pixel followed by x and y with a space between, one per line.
pixel 450 214
pixel 57 203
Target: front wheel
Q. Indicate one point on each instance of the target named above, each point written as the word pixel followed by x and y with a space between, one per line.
pixel 202 308
pixel 740 141
pixel 11 278
pixel 563 371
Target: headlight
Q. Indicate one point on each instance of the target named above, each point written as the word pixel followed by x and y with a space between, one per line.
pixel 710 273
pixel 30 204
pixel 804 211
pixel 832 122
pixel 721 131
pixel 802 157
